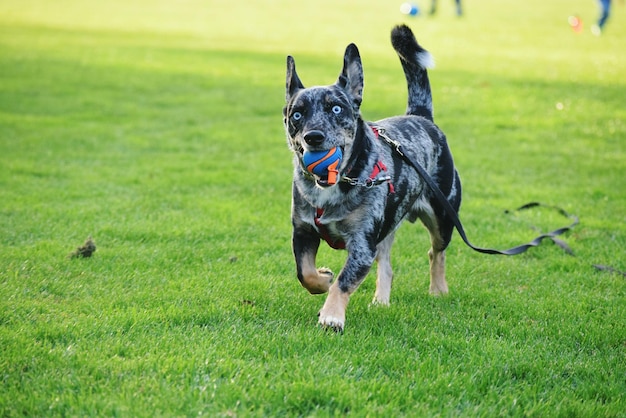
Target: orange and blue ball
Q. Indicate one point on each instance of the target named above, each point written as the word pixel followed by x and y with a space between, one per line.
pixel 323 163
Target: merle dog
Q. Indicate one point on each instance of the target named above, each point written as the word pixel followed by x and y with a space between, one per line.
pixel 375 189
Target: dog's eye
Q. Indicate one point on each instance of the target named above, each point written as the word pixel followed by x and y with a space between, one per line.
pixel 337 109
pixel 296 115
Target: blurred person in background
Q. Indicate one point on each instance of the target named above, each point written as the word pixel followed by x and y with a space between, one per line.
pixel 605 12
pixel 433 7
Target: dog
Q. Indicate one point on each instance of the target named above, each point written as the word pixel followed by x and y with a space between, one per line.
pixel 360 206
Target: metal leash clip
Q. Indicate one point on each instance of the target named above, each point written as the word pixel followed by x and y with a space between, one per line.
pixel 377 181
pixel 367 183
pixel 397 145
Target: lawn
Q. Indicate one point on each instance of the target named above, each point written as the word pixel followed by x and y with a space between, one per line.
pixel 155 127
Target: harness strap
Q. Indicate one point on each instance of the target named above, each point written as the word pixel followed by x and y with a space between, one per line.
pixel 337 244
pixel 378 168
pixel 453 215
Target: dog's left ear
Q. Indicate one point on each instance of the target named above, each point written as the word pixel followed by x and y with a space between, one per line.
pixel 293 81
pixel 351 77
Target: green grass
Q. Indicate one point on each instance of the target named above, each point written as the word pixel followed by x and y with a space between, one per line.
pixel 155 127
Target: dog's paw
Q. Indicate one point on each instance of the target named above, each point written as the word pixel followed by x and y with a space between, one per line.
pixel 318 281
pixel 438 290
pixel 380 301
pixel 331 322
pixel 333 313
pixel 326 275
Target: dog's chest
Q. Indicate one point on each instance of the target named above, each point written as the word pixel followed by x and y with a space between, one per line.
pixel 319 197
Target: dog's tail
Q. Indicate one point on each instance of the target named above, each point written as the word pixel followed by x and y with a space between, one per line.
pixel 415 60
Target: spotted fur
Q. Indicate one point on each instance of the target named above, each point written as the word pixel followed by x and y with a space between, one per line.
pixel 365 217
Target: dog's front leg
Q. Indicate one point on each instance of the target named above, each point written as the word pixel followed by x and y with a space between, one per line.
pixel 333 313
pixel 305 246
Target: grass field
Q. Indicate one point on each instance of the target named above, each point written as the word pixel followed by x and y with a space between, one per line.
pixel 156 128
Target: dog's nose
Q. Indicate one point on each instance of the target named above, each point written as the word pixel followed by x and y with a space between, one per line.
pixel 314 137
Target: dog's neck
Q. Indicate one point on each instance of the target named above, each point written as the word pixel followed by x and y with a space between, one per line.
pixel 362 154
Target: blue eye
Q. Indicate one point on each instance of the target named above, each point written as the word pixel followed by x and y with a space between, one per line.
pixel 296 116
pixel 337 109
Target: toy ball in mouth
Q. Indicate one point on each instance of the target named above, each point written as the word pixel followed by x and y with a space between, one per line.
pixel 323 163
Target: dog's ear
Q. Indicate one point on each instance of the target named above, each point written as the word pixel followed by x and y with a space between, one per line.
pixel 351 77
pixel 293 81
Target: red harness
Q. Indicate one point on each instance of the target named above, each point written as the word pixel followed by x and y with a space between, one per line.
pixel 337 244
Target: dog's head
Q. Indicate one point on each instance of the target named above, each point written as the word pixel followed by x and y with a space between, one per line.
pixel 320 118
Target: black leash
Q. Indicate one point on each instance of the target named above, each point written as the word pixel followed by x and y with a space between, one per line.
pixel 452 214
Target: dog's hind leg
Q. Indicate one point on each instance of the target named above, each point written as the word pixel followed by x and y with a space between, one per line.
pixel 440 235
pixel 384 274
pixel 438 284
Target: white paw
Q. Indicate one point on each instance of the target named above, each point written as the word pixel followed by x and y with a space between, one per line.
pixel 380 301
pixel 331 322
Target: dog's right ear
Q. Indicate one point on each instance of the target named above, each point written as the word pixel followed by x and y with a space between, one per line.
pixel 293 81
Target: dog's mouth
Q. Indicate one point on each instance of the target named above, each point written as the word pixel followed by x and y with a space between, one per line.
pixel 323 182
pixel 323 165
pixel 326 181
